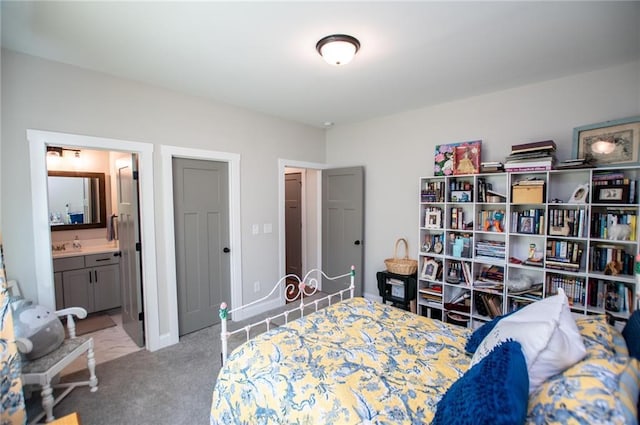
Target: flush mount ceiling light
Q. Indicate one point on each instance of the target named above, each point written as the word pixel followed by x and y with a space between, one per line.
pixel 604 146
pixel 338 49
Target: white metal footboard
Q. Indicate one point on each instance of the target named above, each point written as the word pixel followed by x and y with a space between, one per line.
pixel 307 286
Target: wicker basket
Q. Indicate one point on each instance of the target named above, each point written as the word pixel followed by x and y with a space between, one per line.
pixel 403 266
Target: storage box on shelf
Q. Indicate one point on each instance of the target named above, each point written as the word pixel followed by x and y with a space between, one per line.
pixel 492 243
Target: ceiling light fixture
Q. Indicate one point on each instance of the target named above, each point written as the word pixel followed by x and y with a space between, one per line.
pixel 604 146
pixel 338 49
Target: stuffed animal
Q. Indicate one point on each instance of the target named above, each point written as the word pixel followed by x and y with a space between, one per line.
pixel 613 268
pixel 38 324
pixel 617 231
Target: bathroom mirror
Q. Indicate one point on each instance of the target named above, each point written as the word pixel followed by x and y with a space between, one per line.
pixel 76 200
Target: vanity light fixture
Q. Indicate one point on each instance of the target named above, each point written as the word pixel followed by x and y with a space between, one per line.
pixel 54 151
pixel 338 49
pixel 604 146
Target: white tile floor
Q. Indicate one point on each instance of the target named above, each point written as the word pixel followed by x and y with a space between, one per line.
pixel 108 344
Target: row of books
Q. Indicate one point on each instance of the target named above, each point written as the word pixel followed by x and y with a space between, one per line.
pixel 487 194
pixel 457 219
pixel 569 222
pixel 564 255
pixel 601 255
pixel 529 221
pixel 573 287
pixel 600 222
pixel 433 192
pixel 618 179
pixel 615 297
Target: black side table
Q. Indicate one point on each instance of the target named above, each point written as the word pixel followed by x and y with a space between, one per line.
pixel 398 289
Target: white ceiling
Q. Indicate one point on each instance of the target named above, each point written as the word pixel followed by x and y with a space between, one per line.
pixel 261 55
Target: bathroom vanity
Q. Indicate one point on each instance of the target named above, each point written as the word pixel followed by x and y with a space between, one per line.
pixel 88 278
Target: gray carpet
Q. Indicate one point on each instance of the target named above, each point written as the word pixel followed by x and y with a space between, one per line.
pixel 169 386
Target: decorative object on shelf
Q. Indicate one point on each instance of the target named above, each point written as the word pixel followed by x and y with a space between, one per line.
pixel 403 266
pixel 430 269
pixel 494 223
pixel 437 246
pixel 613 268
pixel 526 225
pixel 617 231
pixel 443 165
pixel 466 158
pixel 579 196
pixel 432 219
pixel 609 142
pixel 564 229
pixel 611 194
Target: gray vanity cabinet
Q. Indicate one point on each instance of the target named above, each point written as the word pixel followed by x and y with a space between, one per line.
pixel 89 281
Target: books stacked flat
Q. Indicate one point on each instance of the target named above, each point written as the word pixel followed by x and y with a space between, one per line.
pixel 491 167
pixel 575 163
pixel 535 156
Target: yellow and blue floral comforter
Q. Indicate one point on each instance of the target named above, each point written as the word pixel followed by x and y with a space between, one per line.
pixel 354 362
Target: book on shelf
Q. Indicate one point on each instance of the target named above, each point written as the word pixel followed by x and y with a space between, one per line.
pixel 528 169
pixel 542 144
pixel 528 164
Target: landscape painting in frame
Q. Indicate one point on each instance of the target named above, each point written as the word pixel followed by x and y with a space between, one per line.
pixel 609 143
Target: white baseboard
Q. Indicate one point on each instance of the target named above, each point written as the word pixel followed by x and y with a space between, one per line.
pixel 256 309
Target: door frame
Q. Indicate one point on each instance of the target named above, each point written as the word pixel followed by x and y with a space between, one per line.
pixel 38 141
pixel 282 165
pixel 167 153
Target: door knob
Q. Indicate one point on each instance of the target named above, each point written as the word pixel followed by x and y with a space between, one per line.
pixel 357 242
pixel 226 250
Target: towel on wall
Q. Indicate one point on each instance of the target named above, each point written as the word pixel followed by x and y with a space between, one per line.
pixel 111 228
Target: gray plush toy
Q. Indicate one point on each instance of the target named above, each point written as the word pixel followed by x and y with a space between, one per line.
pixel 38 324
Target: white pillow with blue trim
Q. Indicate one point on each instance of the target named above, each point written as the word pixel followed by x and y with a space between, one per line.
pixel 548 334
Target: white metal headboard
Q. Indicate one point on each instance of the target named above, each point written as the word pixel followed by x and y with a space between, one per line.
pixel 307 286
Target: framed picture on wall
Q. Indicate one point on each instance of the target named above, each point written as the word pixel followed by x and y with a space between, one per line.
pixel 608 143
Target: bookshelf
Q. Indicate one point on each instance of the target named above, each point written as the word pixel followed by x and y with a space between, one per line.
pixel 491 243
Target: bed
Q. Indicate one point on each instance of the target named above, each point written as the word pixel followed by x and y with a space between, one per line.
pixel 359 361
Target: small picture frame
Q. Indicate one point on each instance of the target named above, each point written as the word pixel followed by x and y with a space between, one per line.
pixel 526 225
pixel 432 220
pixel 611 194
pixel 430 269
pixel 579 195
pixel 609 143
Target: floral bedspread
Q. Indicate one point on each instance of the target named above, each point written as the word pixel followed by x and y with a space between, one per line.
pixel 354 362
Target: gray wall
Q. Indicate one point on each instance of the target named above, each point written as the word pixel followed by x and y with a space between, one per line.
pixel 397 150
pixel 45 95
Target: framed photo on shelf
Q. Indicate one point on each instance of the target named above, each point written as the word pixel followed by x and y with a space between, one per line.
pixel 579 195
pixel 430 269
pixel 526 225
pixel 611 194
pixel 432 220
pixel 466 158
pixel 615 142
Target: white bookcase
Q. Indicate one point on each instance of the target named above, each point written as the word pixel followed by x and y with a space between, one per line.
pixel 482 236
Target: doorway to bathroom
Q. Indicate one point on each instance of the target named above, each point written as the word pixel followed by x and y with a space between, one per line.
pixel 95 234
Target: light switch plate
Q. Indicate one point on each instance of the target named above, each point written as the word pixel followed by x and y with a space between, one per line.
pixel 268 228
pixel 255 229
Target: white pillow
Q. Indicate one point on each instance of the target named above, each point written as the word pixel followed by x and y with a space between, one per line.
pixel 548 334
